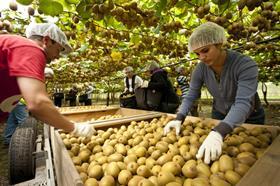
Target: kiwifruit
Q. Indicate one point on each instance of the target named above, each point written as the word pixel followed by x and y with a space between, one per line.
pixel 241 4
pixel 67 143
pixel 83 176
pixel 215 167
pixel 115 157
pixel 225 163
pixel 146 182
pixel 85 166
pixel 219 182
pixel 165 177
pixel 76 19
pixel 241 169
pixel 163 159
pixel 232 151
pixel 179 159
pixel 95 171
pixel 150 162
pixel 140 151
pixel 84 155
pixel 132 167
pixel 31 11
pixel 247 147
pixel 228 15
pixel 173 184
pixel 188 182
pixel 144 171
pixel 162 146
pixel 135 180
pixel 108 150
pixel 201 181
pixel 189 170
pixel 232 177
pixel 91 182
pixel 206 9
pixel 172 167
pixel 121 165
pixel 13 6
pixel 113 169
pixel 124 177
pixel 77 160
pixel 156 169
pixel 107 180
pixel 200 10
pixel 268 5
pixel 203 169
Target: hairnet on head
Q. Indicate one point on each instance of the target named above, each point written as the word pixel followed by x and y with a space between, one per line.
pixel 50 30
pixel 152 66
pixel 179 69
pixel 206 34
pixel 48 72
pixel 128 69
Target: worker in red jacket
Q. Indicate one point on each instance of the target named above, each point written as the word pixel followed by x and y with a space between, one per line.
pixel 22 64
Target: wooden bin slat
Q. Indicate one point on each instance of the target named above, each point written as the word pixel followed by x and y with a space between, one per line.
pixel 266 170
pixel 66 173
pixel 88 115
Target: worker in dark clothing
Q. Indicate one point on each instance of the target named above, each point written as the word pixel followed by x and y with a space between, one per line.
pixel 160 82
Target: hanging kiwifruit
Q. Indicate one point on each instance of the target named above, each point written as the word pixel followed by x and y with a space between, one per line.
pixel 13 6
pixel 241 4
pixel 31 11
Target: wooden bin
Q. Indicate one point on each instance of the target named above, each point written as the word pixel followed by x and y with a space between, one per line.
pixel 80 109
pixel 81 116
pixel 65 171
pixel 265 171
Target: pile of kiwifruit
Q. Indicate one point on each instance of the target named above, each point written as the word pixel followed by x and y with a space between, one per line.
pixel 115 116
pixel 82 108
pixel 139 154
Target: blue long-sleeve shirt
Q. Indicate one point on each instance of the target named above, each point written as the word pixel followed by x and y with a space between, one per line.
pixel 233 95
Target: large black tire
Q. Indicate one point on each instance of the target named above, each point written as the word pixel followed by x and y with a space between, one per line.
pixel 21 160
pixel 32 123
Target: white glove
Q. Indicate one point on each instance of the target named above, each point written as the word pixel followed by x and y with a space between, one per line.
pixel 211 147
pixel 145 84
pixel 172 124
pixel 86 130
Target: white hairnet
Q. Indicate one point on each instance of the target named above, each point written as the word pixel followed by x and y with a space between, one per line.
pixel 50 30
pixel 179 69
pixel 206 34
pixel 128 69
pixel 48 72
pixel 153 65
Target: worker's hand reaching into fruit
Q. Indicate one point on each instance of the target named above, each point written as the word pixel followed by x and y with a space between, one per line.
pixel 83 129
pixel 211 147
pixel 173 124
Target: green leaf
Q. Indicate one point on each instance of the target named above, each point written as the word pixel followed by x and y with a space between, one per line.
pixel 84 10
pixel 65 4
pixel 50 7
pixel 25 2
pixel 135 39
pixel 73 1
pixel 220 2
pixel 161 6
pixel 277 7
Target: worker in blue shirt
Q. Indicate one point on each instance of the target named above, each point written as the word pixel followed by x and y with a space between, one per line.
pixel 232 80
